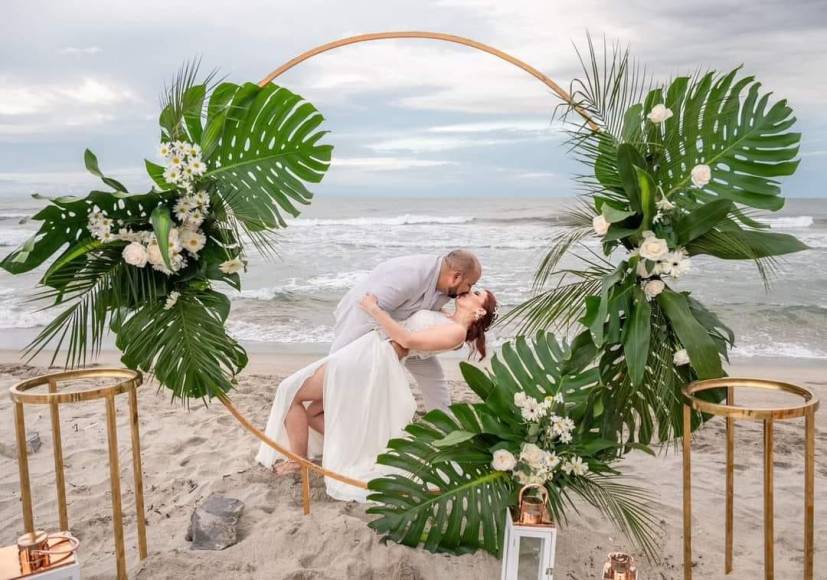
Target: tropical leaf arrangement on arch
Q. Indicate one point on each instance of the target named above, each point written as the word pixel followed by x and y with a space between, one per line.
pixel 147 267
pixel 674 171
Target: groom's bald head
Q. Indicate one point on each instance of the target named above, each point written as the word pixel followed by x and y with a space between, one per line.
pixel 461 269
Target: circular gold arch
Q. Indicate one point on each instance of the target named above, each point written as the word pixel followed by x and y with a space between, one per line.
pixel 307 466
pixel 546 80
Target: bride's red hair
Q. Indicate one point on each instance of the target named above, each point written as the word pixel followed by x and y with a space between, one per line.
pixel 475 337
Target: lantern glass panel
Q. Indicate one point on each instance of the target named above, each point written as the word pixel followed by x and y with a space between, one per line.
pixel 531 554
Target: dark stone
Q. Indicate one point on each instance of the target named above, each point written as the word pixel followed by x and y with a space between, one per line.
pixel 33 445
pixel 213 525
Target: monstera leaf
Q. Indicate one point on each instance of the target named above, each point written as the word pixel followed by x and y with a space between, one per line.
pixel 447 497
pixel 728 124
pixel 185 346
pixel 261 144
pixel 65 220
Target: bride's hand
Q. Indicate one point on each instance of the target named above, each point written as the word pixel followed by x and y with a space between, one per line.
pixel 369 303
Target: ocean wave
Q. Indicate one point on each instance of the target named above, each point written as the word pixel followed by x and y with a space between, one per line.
pixel 15 314
pixel 448 244
pixel 298 332
pixel 16 215
pixel 789 222
pixel 14 237
pixel 775 349
pixel 400 220
pixel 341 281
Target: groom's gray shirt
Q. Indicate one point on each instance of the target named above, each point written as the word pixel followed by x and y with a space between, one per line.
pixel 402 285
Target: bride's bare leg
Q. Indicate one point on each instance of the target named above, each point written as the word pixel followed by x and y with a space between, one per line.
pixel 315 416
pixel 297 420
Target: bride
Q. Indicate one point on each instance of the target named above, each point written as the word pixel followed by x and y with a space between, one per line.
pixel 347 405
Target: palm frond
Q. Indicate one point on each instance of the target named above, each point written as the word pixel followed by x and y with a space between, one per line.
pixel 186 346
pixel 92 292
pixel 629 508
pixel 577 225
pixel 182 101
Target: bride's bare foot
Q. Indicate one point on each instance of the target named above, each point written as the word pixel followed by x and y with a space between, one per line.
pixel 286 468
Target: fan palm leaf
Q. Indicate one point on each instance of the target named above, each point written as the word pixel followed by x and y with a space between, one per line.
pixel 185 346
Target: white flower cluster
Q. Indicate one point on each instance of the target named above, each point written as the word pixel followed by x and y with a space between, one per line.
pixel 534 410
pixel 535 464
pixel 143 249
pixel 655 251
pixel 191 208
pixel 100 226
pixel 541 464
pixel 184 163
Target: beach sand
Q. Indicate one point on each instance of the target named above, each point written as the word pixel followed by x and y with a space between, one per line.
pixel 189 454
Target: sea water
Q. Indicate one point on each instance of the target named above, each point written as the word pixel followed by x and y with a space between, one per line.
pixel 287 302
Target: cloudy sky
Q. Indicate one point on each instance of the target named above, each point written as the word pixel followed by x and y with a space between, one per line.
pixel 408 117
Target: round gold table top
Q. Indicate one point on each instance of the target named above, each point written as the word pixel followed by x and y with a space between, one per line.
pixel 810 402
pixel 127 378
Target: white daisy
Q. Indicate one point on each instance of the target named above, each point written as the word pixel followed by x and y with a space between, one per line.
pixel 164 150
pixel 231 266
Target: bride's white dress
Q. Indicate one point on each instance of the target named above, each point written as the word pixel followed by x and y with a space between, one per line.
pixel 367 401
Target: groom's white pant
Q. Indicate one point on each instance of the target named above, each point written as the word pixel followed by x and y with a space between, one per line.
pixel 431 380
pixel 427 372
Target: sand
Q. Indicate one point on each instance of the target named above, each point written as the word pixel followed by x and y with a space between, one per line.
pixel 187 455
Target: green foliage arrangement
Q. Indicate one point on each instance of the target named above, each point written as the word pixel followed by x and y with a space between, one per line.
pixel 235 161
pixel 674 171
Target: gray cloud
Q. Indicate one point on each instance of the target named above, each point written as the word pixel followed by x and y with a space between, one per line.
pixel 89 73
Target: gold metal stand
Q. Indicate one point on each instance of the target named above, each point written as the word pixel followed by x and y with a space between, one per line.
pixel 129 381
pixel 768 415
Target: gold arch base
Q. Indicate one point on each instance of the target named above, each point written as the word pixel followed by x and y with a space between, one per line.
pixel 768 415
pixel 308 466
pixel 127 382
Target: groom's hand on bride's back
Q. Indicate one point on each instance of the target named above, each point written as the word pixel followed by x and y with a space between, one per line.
pixel 369 303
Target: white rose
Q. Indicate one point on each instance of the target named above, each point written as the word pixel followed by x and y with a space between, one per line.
pixel 154 256
pixel 532 454
pixel 652 288
pixel 503 460
pixel 652 248
pixel 231 266
pixel 681 357
pixel 135 254
pixel 701 175
pixel 600 225
pixel 174 240
pixel 659 113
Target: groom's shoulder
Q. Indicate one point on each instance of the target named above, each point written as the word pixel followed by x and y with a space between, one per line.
pixel 413 261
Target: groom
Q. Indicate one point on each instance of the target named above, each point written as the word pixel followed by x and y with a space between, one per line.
pixel 404 285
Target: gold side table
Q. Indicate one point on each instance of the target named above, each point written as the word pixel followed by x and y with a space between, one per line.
pixel 768 415
pixel 127 382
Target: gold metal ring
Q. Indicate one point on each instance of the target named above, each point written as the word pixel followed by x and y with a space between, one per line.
pixel 755 413
pixel 546 80
pixel 131 379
